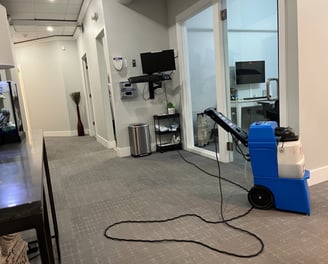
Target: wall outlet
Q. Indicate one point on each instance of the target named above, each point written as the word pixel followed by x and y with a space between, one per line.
pixel 229 146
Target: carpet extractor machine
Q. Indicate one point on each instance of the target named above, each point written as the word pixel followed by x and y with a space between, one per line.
pixel 277 161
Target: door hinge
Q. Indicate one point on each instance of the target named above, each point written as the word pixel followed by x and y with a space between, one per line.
pixel 94 123
pixel 223 14
pixel 229 146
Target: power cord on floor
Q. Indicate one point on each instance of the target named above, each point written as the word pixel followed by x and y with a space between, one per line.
pixel 211 174
pixel 223 221
pixel 221 208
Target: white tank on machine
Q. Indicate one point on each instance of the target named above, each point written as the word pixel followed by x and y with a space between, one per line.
pixel 290 159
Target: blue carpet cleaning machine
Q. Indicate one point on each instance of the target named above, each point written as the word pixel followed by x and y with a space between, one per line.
pixel 277 161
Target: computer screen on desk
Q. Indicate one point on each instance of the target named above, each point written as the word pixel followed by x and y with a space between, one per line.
pixel 250 72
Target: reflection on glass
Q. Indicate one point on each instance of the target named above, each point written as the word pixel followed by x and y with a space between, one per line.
pixel 10 116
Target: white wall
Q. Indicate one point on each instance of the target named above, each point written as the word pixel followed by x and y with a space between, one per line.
pixel 50 72
pixel 175 7
pixel 130 30
pixel 87 45
pixel 313 65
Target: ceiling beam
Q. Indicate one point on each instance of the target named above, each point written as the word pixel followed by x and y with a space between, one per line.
pixel 83 10
pixel 43 22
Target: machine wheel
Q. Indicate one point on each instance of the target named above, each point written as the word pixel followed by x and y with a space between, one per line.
pixel 260 197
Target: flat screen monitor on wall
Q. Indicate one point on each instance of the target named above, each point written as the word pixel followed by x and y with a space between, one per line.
pixel 250 72
pixel 154 62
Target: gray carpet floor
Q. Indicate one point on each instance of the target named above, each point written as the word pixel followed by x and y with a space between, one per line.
pixel 93 189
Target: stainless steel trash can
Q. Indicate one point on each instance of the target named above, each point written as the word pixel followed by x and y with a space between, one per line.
pixel 139 137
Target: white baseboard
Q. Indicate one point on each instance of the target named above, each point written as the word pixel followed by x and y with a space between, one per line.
pixel 59 133
pixel 318 175
pixel 106 143
pixel 123 152
pixel 69 133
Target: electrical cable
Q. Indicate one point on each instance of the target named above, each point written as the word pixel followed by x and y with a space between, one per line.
pixel 211 174
pixel 239 150
pixel 221 209
pixel 224 221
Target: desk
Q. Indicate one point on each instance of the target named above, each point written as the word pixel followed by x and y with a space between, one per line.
pixel 240 104
pixel 23 203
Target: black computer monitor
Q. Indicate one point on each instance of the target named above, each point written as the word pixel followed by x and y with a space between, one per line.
pixel 250 72
pixel 154 62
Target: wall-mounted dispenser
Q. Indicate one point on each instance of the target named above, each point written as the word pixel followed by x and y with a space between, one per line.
pixel 128 90
pixel 119 63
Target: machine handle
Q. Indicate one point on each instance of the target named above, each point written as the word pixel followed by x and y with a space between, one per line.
pixel 228 125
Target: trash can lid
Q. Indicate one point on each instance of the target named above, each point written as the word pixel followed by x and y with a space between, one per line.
pixel 138 125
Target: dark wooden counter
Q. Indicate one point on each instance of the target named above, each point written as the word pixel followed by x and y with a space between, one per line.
pixel 23 167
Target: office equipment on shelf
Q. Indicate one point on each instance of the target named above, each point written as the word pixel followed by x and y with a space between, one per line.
pixel 167 132
pixel 154 81
pixel 154 64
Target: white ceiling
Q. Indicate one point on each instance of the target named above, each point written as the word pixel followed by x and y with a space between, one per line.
pixel 30 18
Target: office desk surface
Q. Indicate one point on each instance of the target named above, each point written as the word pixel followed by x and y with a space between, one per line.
pixel 21 170
pixel 23 202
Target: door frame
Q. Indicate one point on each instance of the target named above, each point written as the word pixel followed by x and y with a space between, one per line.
pixel 106 86
pixel 89 100
pixel 282 63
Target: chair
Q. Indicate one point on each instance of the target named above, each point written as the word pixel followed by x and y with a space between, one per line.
pixel 273 114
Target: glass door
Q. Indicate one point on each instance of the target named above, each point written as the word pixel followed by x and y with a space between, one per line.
pixel 230 61
pixel 202 74
pixel 253 62
pixel 252 31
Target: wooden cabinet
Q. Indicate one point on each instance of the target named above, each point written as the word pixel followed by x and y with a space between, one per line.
pixel 167 132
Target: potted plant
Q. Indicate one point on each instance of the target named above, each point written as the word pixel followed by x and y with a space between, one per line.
pixel 170 108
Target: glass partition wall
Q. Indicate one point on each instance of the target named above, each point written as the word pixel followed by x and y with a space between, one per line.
pixel 252 31
pixel 250 38
pixel 202 74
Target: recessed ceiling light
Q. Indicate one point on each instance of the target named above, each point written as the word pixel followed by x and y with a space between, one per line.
pixel 52 1
pixel 49 28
